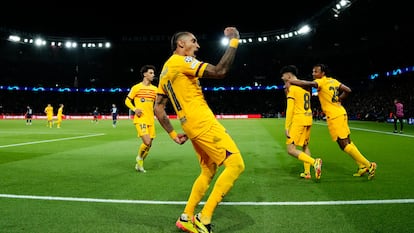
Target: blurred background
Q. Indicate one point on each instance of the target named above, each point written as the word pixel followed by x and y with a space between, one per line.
pixel 87 56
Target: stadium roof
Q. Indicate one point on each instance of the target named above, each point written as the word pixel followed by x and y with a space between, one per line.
pixel 368 35
pixel 364 20
pixel 146 18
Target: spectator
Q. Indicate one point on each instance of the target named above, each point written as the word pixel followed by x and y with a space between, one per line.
pixel 398 115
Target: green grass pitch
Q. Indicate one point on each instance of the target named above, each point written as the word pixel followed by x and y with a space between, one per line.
pixel 81 178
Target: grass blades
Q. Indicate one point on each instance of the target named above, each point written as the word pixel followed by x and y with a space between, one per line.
pixel 81 178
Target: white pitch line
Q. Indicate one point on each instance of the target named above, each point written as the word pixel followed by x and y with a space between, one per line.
pixel 375 131
pixel 288 203
pixel 51 140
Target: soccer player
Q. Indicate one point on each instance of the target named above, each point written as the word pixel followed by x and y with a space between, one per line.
pixel 60 116
pixel 29 115
pixel 398 115
pixel 331 92
pixel 140 100
pixel 114 112
pixel 179 83
pixel 298 123
pixel 49 115
pixel 95 114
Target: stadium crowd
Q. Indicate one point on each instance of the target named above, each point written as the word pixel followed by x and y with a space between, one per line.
pixel 370 100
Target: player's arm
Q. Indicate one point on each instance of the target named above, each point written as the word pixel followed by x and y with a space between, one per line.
pixel 159 111
pixel 130 105
pixel 345 90
pixel 220 70
pixel 303 83
pixel 289 115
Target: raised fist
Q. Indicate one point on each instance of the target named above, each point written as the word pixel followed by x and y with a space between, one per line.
pixel 231 32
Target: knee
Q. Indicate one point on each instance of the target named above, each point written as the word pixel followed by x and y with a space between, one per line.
pixel 208 174
pixel 291 151
pixel 237 166
pixel 147 142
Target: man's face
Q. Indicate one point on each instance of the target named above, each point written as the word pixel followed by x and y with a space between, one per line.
pixel 149 74
pixel 190 45
pixel 286 76
pixel 317 72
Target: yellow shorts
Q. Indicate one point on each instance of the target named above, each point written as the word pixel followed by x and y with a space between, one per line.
pixel 338 127
pixel 143 129
pixel 299 135
pixel 214 146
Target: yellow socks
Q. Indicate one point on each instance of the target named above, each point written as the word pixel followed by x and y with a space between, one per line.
pixel 353 151
pixel 234 166
pixel 143 151
pixel 306 167
pixel 198 191
pixel 306 158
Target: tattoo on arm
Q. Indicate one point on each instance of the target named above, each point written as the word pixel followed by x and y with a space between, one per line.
pixel 222 68
pixel 159 110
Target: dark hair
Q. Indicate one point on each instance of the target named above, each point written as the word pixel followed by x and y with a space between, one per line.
pixel 324 68
pixel 289 68
pixel 145 68
pixel 175 38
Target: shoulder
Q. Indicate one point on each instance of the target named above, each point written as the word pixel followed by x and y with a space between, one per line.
pixel 184 61
pixel 138 85
pixel 323 80
pixel 330 79
pixel 175 58
pixel 293 88
pixel 319 80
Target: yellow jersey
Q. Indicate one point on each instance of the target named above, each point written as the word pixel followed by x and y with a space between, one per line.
pixel 143 98
pixel 328 92
pixel 179 80
pixel 49 111
pixel 299 110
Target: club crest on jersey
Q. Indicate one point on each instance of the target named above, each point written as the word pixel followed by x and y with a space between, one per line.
pixel 188 59
pixel 194 64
